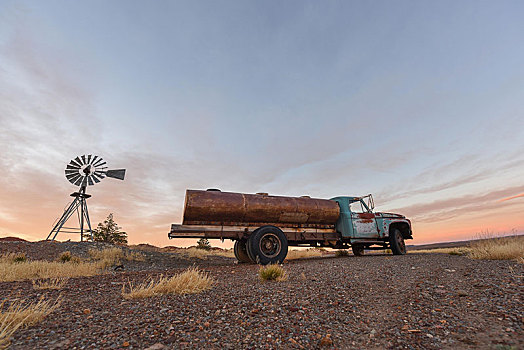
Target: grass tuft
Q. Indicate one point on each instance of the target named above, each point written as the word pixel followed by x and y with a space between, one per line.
pixel 203 254
pixel 272 272
pixel 19 314
pixel 342 252
pixel 51 283
pixel 190 281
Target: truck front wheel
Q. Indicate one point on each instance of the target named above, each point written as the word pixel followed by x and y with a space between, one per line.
pixel 267 245
pixel 240 251
pixel 396 241
pixel 358 250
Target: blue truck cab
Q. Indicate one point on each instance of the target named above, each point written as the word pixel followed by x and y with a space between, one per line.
pixel 363 229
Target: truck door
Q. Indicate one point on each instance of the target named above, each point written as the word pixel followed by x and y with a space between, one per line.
pixel 363 221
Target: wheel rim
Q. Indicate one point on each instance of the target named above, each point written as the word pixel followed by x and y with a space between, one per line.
pixel 270 245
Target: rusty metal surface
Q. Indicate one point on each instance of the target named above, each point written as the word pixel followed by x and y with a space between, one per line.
pixel 223 207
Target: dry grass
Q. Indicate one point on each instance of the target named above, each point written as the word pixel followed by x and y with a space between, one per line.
pixel 451 251
pixel 114 256
pixel 503 248
pixel 494 248
pixel 46 269
pixel 341 252
pixel 305 253
pixel 193 252
pixel 190 281
pixel 272 272
pixel 51 283
pixel 12 258
pixel 20 314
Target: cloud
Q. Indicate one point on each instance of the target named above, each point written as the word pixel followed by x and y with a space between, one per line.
pixel 511 197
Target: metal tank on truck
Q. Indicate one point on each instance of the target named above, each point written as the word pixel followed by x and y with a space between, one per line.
pixel 264 226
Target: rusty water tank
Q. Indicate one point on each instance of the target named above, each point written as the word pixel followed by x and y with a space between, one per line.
pixel 214 206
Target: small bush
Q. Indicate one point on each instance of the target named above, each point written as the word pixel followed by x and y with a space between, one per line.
pixel 20 258
pixel 188 282
pixel 65 256
pixel 341 252
pixel 273 272
pixel 203 243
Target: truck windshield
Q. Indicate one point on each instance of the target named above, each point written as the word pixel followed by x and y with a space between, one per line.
pixel 357 207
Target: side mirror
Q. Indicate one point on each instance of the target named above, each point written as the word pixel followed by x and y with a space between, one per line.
pixel 371 203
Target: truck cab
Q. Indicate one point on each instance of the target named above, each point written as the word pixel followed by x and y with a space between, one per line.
pixel 363 229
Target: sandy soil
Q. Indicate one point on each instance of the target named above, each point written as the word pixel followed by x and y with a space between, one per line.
pixel 417 301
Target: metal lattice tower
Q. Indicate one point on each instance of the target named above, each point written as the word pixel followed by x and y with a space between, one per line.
pixel 83 171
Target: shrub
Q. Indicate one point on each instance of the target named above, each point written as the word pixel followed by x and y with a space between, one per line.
pixel 272 272
pixel 341 252
pixel 20 258
pixel 188 282
pixel 65 256
pixel 45 269
pixel 109 232
pixel 203 243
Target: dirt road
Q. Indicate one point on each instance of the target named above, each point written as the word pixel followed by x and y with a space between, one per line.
pixel 417 301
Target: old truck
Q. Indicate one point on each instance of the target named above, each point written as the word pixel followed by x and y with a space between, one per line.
pixel 264 226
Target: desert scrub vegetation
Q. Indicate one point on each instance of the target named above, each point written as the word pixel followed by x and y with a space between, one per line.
pixel 305 253
pixel 114 256
pixel 341 252
pixel 450 251
pixel 194 252
pixel 190 281
pixel 50 283
pixel 46 269
pixel 21 314
pixel 272 272
pixel 502 248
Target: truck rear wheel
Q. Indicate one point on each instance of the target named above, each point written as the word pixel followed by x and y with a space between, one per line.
pixel 396 242
pixel 358 250
pixel 241 252
pixel 267 245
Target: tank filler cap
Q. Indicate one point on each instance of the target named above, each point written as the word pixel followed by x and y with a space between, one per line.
pixel 262 193
pixel 305 196
pixel 213 190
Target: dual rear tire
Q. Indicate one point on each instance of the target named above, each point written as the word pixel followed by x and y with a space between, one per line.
pixel 266 245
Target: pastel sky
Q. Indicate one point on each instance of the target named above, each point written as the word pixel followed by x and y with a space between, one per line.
pixel 419 102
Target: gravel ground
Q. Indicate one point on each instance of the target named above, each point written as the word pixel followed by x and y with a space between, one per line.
pixel 417 301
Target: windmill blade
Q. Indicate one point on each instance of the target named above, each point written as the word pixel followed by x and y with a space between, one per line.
pixel 83 159
pixel 71 172
pixel 79 181
pixel 72 164
pixel 89 159
pixel 72 167
pixel 73 178
pixel 90 181
pixel 78 161
pixel 95 178
pixel 99 162
pixel 116 174
pixel 95 157
pixel 100 173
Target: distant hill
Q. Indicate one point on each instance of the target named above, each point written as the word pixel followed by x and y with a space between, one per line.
pixel 12 239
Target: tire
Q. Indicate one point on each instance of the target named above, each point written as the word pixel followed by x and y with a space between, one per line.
pixel 358 250
pixel 267 245
pixel 396 242
pixel 241 252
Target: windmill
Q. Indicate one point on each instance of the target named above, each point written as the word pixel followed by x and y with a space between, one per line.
pixel 83 171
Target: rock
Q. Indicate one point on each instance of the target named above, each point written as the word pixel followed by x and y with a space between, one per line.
pixel 125 344
pixel 462 293
pixel 326 341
